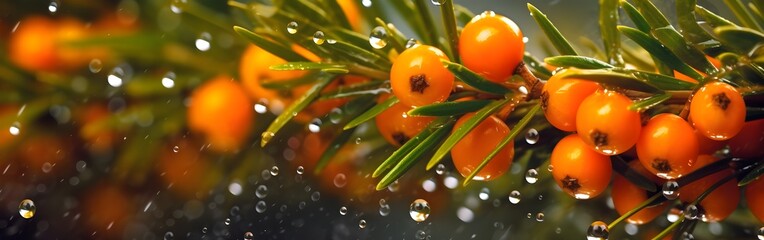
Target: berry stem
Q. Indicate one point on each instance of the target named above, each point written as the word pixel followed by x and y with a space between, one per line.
pixel 633 211
pixel 534 84
pixel 670 228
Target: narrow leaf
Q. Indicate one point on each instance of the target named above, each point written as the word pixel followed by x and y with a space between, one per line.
pixel 741 39
pixel 306 66
pixel 751 176
pixel 657 50
pixel 649 102
pixel 663 82
pixel 652 15
pixel 560 43
pixel 272 47
pixel 689 25
pixel 506 140
pixel 414 156
pixel 449 108
pixel 287 84
pixel 608 21
pixel 371 113
pixel 607 77
pixel 404 149
pixel 712 18
pixel 297 106
pixel 465 128
pixel 352 52
pixel 449 22
pixel 671 39
pixel 368 88
pixel 639 21
pixel 422 11
pixel 577 62
pixel 743 14
pixel 535 65
pixel 474 80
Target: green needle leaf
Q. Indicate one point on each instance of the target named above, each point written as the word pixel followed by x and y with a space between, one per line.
pixel 296 107
pixel 743 14
pixel 659 51
pixel 506 140
pixel 371 113
pixel 689 25
pixel 560 43
pixel 306 66
pixel 408 146
pixel 474 80
pixel 712 18
pixel 662 81
pixel 577 62
pixel 368 88
pixel 449 21
pixel 753 175
pixel 741 39
pixel 608 21
pixel 652 15
pixel 272 47
pixel 649 102
pixel 612 78
pixel 414 156
pixel 674 41
pixel 465 128
pixel 449 108
pixel 538 69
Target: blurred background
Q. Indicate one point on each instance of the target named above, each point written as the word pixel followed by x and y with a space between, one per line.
pixel 98 131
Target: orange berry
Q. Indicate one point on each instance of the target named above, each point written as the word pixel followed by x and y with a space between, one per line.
pixel 254 68
pixel 706 145
pixel 100 213
pixel 604 122
pixel 667 146
pixel 470 151
pixel 718 111
pixel 182 166
pixel 681 76
pixel 721 202
pixel 580 171
pixel 754 196
pixel 492 46
pixel 352 13
pixel 221 110
pixel 749 143
pixel 560 99
pixel 397 127
pixel 419 78
pixel 627 196
pixel 37 44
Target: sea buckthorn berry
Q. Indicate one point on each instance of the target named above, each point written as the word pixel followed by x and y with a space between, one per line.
pixel 749 142
pixel 419 78
pixel 706 145
pixel 754 196
pixel 681 76
pixel 627 196
pixel 492 46
pixel 580 171
pixel 604 122
pixel 397 127
pixel 721 202
pixel 560 99
pixel 469 152
pixel 254 69
pixel 221 110
pixel 38 44
pixel 667 146
pixel 718 111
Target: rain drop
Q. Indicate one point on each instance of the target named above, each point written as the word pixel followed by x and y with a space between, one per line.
pixel 532 136
pixel 670 190
pixel 362 224
pixel 115 77
pixel 53 7
pixel 274 171
pixel 540 217
pixel 175 149
pixel 340 180
pixel 484 194
pixel 169 236
pixel 315 125
pixel 598 230
pixel 378 37
pixel 27 208
pixel 761 233
pixel 292 27
pixel 95 65
pixel 343 210
pixel 261 191
pixel 421 234
pixel 440 169
pixel 227 221
pixel 15 128
pixel 419 210
pixel 315 196
pixel 335 116
pixel 411 43
pixel 384 210
pixel 203 42
pixel 514 197
pixel 366 3
pixel 204 230
pixel 438 2
pixel 692 212
pixel 532 176
pixel 319 38
pixel 260 207
pixel 300 170
pixel 249 236
pixel 429 185
pixel 168 81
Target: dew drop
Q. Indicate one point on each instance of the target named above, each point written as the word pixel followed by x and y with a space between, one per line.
pixel 540 217
pixel 419 210
pixel 340 180
pixel 274 171
pixel 429 185
pixel 53 7
pixel 27 208
pixel 362 224
pixel 15 128
pixel 169 236
pixel 261 107
pixel 761 233
pixel 315 196
pixel 378 37
pixel 484 194
pixel 394 186
pixel 670 190
pixel 335 115
pixel 115 77
pixel 300 170
pixel 168 81
pixel 95 65
pixel 437 2
pixel 261 191
pixel 203 42
pixel 550 167
pixel 532 136
pixel 384 210
pixel 292 27
pixel 343 210
pixel 249 236
pixel 440 169
pixel 631 229
pixel 227 221
pixel 411 43
pixel 598 230
pixel 366 3
pixel 204 230
pixel 421 234
pixel 175 149
pixel 319 38
pixel 673 214
pixel 692 212
pixel 450 182
pixel 315 125
pixel 260 207
pixel 532 176
pixel 514 197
